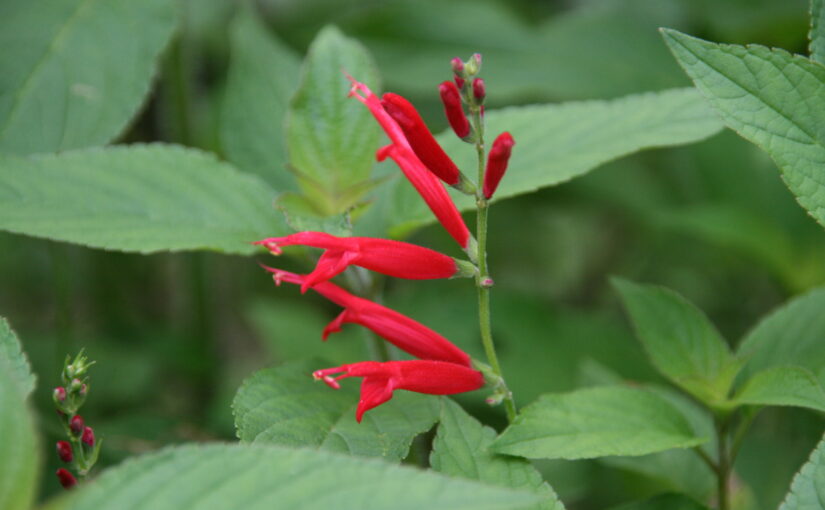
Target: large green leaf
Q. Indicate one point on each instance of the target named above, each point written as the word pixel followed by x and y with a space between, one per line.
pixel 265 477
pixel 771 98
pixel 73 72
pixel 783 386
pixel 817 33
pixel 680 340
pixel 136 198
pixel 668 501
pixel 263 74
pixel 285 406
pixel 331 137
pixel 808 487
pixel 461 448
pixel 18 449
pixel 13 360
pixel 558 142
pixel 596 422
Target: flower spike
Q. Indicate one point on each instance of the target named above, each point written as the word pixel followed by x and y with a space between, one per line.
pixel 497 162
pixel 451 98
pixel 400 330
pixel 427 185
pixel 421 376
pixel 392 258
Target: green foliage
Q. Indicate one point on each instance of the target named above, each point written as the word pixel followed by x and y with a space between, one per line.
pixel 680 340
pixel 462 449
pixel 284 405
pixel 817 33
pixel 82 72
pixel 669 501
pixel 555 143
pixel 595 422
pixel 769 97
pixel 18 449
pixel 331 137
pixel 262 477
pixel 138 198
pixel 13 360
pixel 783 386
pixel 263 75
pixel 808 487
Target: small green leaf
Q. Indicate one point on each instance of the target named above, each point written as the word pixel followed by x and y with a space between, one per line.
pixel 18 449
pixel 817 33
pixel 331 137
pixel 62 86
pixel 680 340
pixel 461 449
pixel 808 486
pixel 668 501
pixel 783 386
pixel 285 406
pixel 771 98
pixel 138 198
pixel 263 75
pixel 558 142
pixel 596 422
pixel 263 477
pixel 14 361
pixel 301 216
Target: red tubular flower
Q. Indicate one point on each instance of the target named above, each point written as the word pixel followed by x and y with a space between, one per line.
pixel 427 185
pixel 67 480
pixel 451 98
pixel 401 331
pixel 497 162
pixel 392 258
pixel 421 376
pixel 421 140
pixel 64 451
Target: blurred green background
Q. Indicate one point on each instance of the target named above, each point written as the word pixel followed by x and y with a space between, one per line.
pixel 175 334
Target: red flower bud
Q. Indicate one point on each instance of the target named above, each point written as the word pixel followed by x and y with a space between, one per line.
pixel 423 143
pixel 400 330
pixel 459 82
pixel 59 394
pixel 76 424
pixel 64 451
pixel 67 480
pixel 453 108
pixel 457 65
pixel 392 258
pixel 88 436
pixel 422 376
pixel 479 92
pixel 497 162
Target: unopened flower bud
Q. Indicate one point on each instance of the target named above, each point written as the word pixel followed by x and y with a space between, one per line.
pixel 478 89
pixel 497 163
pixel 75 385
pixel 88 436
pixel 473 66
pixel 77 425
pixel 64 451
pixel 67 480
pixel 457 65
pixel 459 81
pixel 451 98
pixel 59 394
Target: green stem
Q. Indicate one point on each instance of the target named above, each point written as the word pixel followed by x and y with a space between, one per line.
pixel 723 464
pixel 483 281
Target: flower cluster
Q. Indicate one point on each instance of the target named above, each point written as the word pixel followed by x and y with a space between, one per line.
pixel 442 368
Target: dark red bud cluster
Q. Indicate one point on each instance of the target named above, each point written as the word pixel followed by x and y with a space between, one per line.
pixel 64 451
pixel 88 437
pixel 67 480
pixel 479 91
pixel 76 424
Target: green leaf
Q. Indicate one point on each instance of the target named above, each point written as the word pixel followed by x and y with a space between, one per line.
pixel 808 486
pixel 74 72
pixel 331 137
pixel 680 340
pixel 461 449
pixel 139 198
pixel 18 449
pixel 596 422
pixel 284 405
pixel 262 477
pixel 791 335
pixel 263 75
pixel 668 501
pixel 783 386
pixel 771 98
pixel 558 142
pixel 817 33
pixel 13 360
